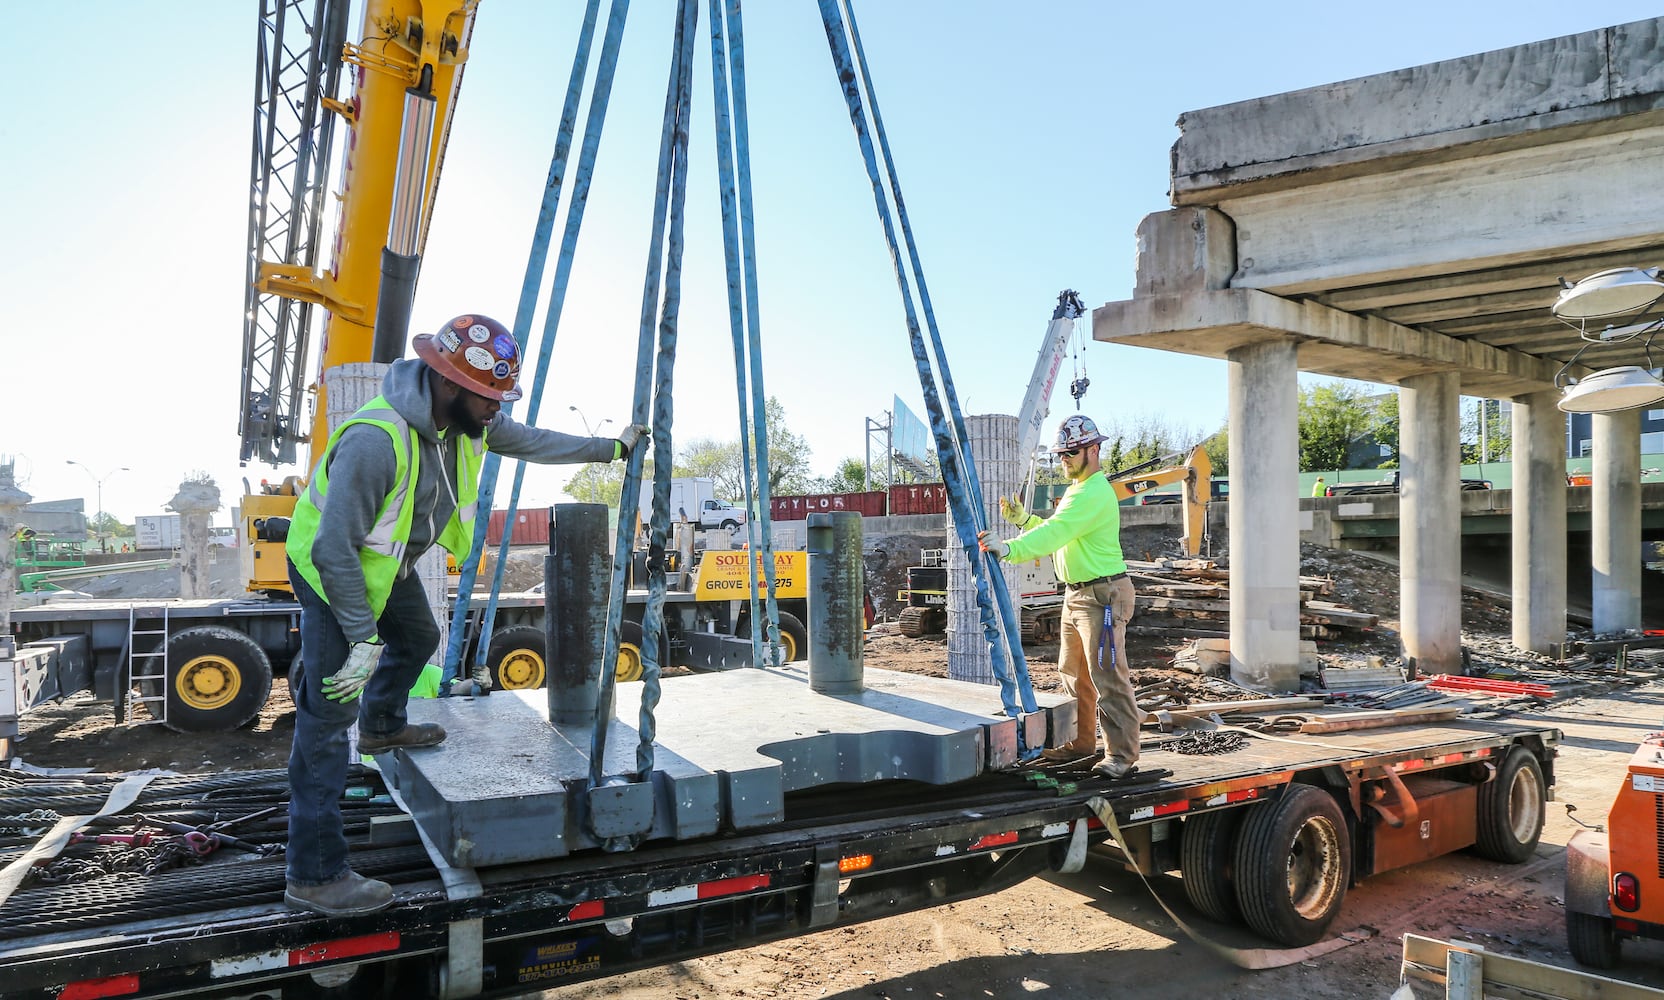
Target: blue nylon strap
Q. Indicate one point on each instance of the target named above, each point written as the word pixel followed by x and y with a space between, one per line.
pixel 522 327
pixel 739 253
pixel 759 399
pixel 736 291
pixel 1007 628
pixel 664 454
pixel 958 475
pixel 630 495
pixel 593 126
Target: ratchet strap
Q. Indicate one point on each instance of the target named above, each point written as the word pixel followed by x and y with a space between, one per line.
pixel 50 845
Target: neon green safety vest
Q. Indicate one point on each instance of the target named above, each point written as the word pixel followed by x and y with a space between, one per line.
pixel 384 548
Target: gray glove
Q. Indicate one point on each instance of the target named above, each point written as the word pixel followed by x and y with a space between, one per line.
pixel 348 683
pixel 631 435
pixel 990 544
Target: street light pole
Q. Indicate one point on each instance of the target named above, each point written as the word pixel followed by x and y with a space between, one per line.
pixel 590 431
pixel 98 520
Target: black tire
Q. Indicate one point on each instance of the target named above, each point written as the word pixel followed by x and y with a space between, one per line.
pixel 218 680
pixel 1293 864
pixel 294 671
pixel 1593 940
pixel 794 637
pixel 730 525
pixel 515 659
pixel 630 639
pixel 912 622
pixel 1511 807
pixel 1207 860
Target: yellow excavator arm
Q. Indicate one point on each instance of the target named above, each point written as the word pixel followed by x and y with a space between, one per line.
pixel 1197 475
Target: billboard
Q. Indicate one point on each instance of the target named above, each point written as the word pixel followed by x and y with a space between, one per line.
pixel 910 441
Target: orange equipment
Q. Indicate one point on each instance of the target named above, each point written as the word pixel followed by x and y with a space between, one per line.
pixel 1614 880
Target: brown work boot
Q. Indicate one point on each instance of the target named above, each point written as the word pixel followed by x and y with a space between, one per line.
pixel 1056 754
pixel 1113 768
pixel 422 734
pixel 349 895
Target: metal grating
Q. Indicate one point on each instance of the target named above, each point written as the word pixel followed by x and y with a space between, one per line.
pixel 1658 829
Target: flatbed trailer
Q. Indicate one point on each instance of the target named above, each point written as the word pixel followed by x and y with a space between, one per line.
pixel 1275 832
pixel 220 654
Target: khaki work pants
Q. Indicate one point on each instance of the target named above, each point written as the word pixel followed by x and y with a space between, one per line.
pixel 1101 690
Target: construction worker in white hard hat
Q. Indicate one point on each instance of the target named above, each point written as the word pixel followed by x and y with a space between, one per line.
pixel 1084 537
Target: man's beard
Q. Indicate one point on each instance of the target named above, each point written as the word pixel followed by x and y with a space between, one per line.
pixel 462 421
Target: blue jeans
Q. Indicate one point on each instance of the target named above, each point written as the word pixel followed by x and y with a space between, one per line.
pixel 318 762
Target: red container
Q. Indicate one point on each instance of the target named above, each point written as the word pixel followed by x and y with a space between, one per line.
pixel 796 508
pixel 531 527
pixel 919 498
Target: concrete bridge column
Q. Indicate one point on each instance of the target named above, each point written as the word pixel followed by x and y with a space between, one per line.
pixel 1539 522
pixel 1615 520
pixel 1265 527
pixel 1430 532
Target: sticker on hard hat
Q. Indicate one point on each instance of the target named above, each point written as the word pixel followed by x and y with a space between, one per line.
pixel 451 341
pixel 504 346
pixel 479 358
pixel 463 322
pixel 479 333
pixel 500 370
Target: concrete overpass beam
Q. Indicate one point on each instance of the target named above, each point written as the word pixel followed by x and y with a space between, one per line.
pixel 1539 522
pixel 1184 250
pixel 1615 520
pixel 1265 529
pixel 1430 581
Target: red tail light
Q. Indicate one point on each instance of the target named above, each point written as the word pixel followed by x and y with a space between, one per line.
pixel 1626 892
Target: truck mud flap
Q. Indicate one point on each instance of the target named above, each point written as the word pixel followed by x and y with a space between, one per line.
pixel 710 651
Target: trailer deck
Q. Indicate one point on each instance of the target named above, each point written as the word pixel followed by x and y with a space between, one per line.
pixel 841 854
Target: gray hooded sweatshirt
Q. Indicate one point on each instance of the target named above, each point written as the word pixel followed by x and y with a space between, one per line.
pixel 363 470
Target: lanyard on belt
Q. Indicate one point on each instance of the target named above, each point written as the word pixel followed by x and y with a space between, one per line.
pixel 1107 635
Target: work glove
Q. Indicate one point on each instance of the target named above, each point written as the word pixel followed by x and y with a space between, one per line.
pixel 992 545
pixel 348 683
pixel 632 434
pixel 1012 510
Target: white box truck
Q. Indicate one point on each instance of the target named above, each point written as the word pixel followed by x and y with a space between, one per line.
pixel 693 498
pixel 157 531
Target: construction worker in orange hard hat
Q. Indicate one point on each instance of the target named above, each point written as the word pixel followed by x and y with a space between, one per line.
pixel 1084 537
pixel 398 477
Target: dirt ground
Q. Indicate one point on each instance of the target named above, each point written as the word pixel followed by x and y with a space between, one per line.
pixel 1099 932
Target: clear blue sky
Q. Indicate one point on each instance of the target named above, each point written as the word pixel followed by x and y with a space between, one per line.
pixel 1031 140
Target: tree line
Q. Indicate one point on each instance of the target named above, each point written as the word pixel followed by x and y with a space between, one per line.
pixel 1342 425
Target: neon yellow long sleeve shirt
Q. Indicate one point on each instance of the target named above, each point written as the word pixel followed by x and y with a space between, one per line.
pixel 1083 534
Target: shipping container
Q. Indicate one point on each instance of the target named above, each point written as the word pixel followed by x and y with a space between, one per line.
pixel 796 508
pixel 156 531
pixel 918 498
pixel 531 527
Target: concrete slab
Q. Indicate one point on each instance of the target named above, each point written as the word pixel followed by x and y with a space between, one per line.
pixel 508 787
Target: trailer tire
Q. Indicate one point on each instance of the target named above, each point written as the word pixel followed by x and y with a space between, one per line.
pixel 218 680
pixel 1593 940
pixel 1510 806
pixel 794 637
pixel 515 658
pixel 1207 862
pixel 1293 864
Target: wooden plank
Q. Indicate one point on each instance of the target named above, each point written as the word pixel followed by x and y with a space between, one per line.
pixel 1182 604
pixel 1252 705
pixel 1516 978
pixel 1349 721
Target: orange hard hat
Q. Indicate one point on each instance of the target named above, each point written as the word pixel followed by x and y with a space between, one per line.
pixel 477 353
